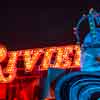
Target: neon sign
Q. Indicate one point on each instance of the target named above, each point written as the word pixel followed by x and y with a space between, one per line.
pixel 55 65
pixel 66 57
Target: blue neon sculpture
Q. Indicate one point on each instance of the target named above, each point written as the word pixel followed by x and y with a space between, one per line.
pixel 90 49
pixel 84 84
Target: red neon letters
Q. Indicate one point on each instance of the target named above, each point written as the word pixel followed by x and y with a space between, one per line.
pixel 66 57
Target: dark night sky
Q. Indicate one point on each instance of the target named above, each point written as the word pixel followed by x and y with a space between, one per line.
pixel 40 24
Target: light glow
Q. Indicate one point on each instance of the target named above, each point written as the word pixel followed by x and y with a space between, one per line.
pixel 30 58
pixel 47 58
pixel 10 69
pixel 3 53
pixel 59 57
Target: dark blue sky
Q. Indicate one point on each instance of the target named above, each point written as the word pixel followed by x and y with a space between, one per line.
pixel 40 24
